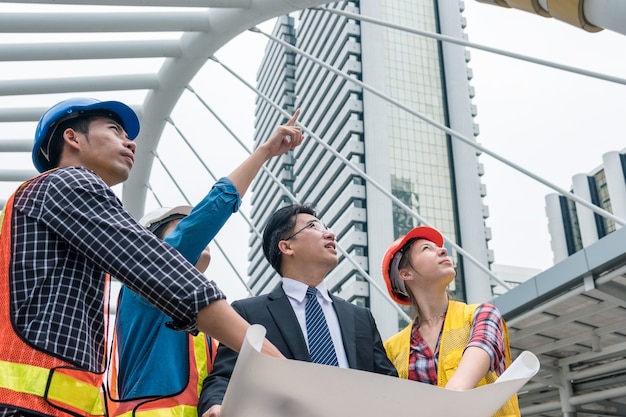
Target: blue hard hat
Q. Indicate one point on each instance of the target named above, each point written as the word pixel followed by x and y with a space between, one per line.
pixel 75 107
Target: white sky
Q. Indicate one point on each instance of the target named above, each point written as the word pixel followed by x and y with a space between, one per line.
pixel 553 123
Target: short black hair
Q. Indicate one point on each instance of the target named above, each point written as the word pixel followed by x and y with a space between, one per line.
pixel 55 147
pixel 80 124
pixel 278 227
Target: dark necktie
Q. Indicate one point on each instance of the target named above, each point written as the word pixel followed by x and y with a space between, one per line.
pixel 321 346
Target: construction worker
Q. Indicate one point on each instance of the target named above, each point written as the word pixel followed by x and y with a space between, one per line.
pixel 449 343
pixel 145 347
pixel 61 233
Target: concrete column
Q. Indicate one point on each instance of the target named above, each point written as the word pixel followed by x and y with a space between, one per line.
pixel 586 217
pixel 615 173
pixel 468 192
pixel 556 228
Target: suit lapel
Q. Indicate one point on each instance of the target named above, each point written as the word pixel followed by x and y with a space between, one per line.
pixel 347 322
pixel 287 324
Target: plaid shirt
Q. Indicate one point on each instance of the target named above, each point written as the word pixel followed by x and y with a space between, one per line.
pixel 68 230
pixel 486 333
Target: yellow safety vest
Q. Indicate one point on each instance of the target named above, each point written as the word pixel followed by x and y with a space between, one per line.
pixel 455 336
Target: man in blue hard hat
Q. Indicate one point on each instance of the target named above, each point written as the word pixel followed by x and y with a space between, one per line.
pixel 61 234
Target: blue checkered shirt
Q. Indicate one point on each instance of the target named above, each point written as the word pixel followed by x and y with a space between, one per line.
pixel 68 230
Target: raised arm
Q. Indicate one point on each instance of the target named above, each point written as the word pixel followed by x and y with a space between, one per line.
pixel 284 138
pixel 210 214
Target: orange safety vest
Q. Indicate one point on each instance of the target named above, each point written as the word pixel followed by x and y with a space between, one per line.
pixel 31 379
pixel 182 404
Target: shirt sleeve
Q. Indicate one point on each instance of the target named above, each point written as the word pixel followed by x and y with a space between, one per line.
pixel 80 208
pixel 487 334
pixel 194 232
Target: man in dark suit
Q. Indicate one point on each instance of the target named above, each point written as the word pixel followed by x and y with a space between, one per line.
pixel 302 250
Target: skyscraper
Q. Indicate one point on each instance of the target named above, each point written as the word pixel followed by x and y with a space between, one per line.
pixel 436 175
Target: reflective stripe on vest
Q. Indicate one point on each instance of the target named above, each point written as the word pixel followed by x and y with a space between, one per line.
pixel 57 386
pixel 31 379
pixel 164 407
pixel 183 404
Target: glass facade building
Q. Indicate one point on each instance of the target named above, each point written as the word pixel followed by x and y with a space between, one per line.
pixel 387 148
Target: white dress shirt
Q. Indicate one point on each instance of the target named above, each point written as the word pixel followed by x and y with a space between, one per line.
pixel 296 292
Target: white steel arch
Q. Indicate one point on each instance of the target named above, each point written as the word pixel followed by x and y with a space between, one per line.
pixel 205 26
pixel 176 73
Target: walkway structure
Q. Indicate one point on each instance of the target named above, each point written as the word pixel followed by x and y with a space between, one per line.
pixel 147 52
pixel 590 15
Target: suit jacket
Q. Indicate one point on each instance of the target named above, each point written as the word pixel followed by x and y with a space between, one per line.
pixel 361 340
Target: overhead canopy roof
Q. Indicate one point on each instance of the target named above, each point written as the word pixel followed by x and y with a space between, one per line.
pixel 573 317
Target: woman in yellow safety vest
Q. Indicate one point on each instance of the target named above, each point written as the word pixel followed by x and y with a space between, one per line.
pixel 448 343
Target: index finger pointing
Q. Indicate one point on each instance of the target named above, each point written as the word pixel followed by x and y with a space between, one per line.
pixel 293 119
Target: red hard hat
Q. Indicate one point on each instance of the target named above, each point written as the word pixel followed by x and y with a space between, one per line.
pixel 392 258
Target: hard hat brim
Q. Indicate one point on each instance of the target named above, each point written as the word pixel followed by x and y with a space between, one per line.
pixel 158 217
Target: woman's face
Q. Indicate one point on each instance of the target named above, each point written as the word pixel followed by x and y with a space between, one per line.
pixel 428 264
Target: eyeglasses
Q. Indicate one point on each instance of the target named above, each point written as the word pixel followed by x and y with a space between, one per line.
pixel 313 224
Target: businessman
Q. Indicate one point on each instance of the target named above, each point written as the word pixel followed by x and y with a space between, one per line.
pixel 302 250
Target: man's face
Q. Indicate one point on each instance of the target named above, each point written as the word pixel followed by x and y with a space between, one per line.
pixel 313 244
pixel 106 150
